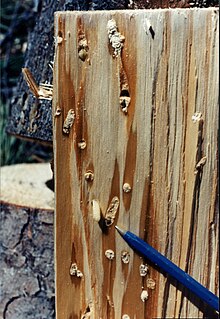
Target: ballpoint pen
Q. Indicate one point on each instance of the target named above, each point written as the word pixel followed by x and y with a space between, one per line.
pixel 169 267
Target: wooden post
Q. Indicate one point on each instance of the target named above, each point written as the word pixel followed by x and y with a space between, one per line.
pixel 135 111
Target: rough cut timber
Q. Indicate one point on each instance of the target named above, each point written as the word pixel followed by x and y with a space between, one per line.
pixel 135 120
pixel 26 243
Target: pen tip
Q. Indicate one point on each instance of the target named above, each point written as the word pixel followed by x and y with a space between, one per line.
pixel 121 231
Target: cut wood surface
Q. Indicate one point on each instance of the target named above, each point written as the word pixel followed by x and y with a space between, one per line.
pixel 26 243
pixel 135 111
pixel 24 185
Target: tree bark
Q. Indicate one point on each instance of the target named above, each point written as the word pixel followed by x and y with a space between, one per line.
pixel 26 243
pixel 135 143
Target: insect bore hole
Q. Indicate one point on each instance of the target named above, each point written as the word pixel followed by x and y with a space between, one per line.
pixel 125 93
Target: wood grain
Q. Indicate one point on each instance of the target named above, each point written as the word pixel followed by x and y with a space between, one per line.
pixel 164 147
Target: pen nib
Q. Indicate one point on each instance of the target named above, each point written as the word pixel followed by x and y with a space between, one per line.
pixel 121 231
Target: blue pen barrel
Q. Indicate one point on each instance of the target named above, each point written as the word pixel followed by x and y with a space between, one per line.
pixel 169 267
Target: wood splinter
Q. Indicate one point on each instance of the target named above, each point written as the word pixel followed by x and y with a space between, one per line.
pixel 43 91
pixel 200 163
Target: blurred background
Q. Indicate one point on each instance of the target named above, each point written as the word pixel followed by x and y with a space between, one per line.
pixel 17 19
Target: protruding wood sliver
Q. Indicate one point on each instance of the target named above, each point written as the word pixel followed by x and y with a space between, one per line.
pixel 141 153
pixel 43 91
